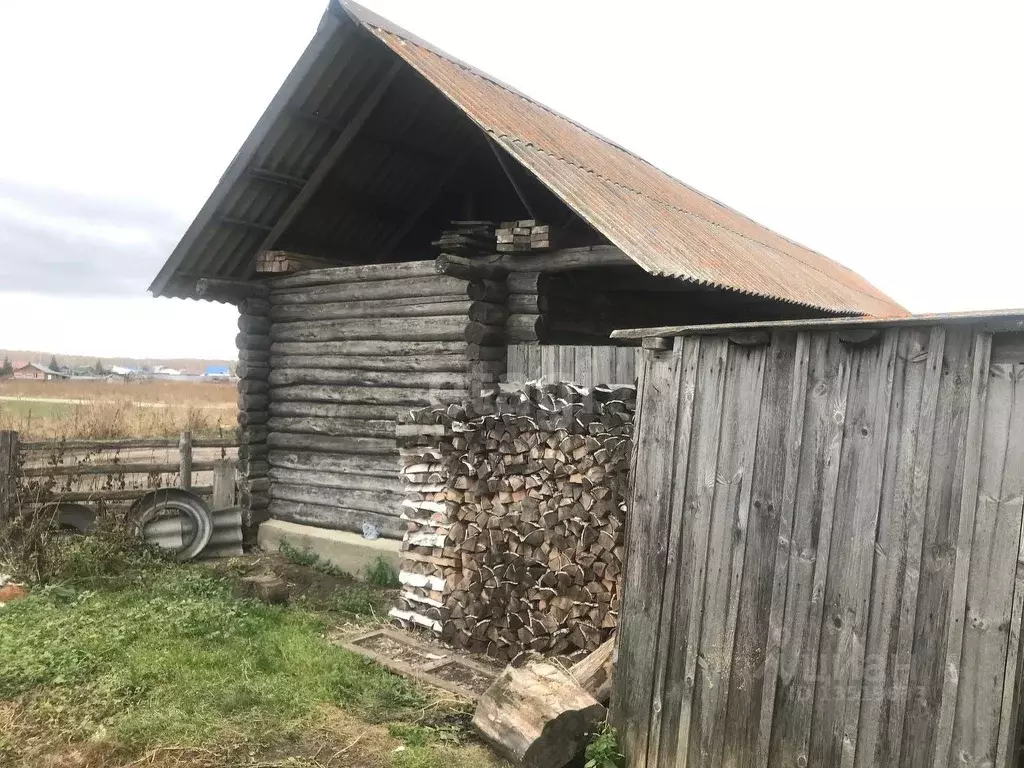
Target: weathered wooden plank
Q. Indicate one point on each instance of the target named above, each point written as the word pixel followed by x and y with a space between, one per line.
pixel 813 515
pixel 413 306
pixel 727 540
pixel 285 377
pixel 356 274
pixel 892 553
pixel 9 460
pixel 337 518
pixel 625 365
pixel 689 353
pixel 749 672
pixel 381 501
pixel 378 349
pixel 602 365
pixel 343 480
pixel 382 290
pixel 371 466
pixel 643 579
pixel 312 425
pixel 938 560
pixel 549 362
pixel 697 497
pixel 534 361
pixel 791 477
pixel 852 549
pixel 337 411
pixel 993 502
pixel 373 395
pixel 516 363
pixel 584 371
pixel 330 444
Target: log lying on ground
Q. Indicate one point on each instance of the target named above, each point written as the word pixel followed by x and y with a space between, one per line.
pixel 537 716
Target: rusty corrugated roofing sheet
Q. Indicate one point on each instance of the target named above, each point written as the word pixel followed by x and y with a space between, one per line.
pixel 664 225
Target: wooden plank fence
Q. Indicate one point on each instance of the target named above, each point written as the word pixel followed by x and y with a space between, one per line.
pixel 586 365
pixel 823 552
pixel 38 461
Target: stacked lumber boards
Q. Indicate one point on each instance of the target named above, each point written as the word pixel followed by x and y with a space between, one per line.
pixel 522 236
pixel 515 511
pixel 467 238
pixel 277 262
pixel 351 348
pixel 253 343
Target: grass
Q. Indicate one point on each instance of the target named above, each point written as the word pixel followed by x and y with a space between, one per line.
pixel 101 410
pixel 166 664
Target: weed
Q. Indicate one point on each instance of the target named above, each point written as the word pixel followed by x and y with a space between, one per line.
pixel 603 750
pixel 382 574
pixel 312 560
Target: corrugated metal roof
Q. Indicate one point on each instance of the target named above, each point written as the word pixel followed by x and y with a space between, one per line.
pixel 994 320
pixel 666 227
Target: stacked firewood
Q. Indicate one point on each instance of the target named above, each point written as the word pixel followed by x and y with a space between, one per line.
pixel 522 236
pixel 467 238
pixel 516 508
pixel 277 262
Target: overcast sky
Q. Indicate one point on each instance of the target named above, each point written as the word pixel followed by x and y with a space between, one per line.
pixel 885 135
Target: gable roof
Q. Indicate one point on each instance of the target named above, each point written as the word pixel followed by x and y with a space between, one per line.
pixel 665 226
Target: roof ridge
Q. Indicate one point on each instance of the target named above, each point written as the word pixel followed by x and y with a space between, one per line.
pixel 666 204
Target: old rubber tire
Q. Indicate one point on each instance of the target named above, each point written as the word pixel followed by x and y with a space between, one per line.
pixel 185 505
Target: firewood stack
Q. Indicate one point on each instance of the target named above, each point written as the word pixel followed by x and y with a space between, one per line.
pixel 467 238
pixel 523 236
pixel 277 262
pixel 516 507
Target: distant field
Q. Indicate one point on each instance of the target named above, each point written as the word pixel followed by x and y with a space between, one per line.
pixel 98 410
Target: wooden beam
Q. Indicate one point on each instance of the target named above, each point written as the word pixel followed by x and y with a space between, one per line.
pixel 284 179
pixel 244 223
pixel 556 261
pixel 332 157
pixel 499 155
pixel 231 291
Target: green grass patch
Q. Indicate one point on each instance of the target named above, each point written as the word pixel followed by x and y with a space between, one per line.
pixel 172 658
pixel 312 560
pixel 382 574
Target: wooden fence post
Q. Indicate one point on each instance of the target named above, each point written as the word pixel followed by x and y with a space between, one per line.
pixel 8 475
pixel 223 485
pixel 185 467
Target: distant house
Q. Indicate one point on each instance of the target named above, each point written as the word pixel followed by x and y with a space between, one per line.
pixel 35 371
pixel 217 372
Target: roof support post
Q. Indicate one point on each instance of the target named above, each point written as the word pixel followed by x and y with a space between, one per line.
pixel 332 157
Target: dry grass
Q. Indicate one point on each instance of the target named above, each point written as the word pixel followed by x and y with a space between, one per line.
pixel 100 410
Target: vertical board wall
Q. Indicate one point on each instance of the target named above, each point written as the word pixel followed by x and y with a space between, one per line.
pixel 351 348
pixel 822 552
pixel 582 364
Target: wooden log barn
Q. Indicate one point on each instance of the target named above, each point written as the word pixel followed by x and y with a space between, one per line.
pixel 401 229
pixel 823 555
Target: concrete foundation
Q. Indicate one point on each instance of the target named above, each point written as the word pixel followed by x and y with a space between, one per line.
pixel 348 551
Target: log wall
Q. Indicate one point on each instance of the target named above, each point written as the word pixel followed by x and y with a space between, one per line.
pixel 823 547
pixel 253 342
pixel 349 349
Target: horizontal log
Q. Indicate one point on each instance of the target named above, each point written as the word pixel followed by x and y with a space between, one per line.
pixel 382 308
pixel 525 282
pixel 256 371
pixel 450 328
pixel 484 335
pixel 486 352
pixel 487 313
pixel 488 290
pixel 370 466
pixel 336 518
pixel 253 468
pixel 565 260
pixel 254 306
pixel 366 446
pixel 252 451
pixel 336 411
pixel 252 387
pixel 311 425
pixel 247 402
pixel 365 291
pixel 252 418
pixel 436 363
pixel 356 274
pixel 345 481
pixel 520 328
pixel 253 355
pixel 254 324
pixel 284 377
pixel 254 434
pixel 317 393
pixel 251 341
pixel 369 348
pixel 254 485
pixel 114 468
pixel 255 501
pixel 527 303
pixel 232 291
pixel 381 501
